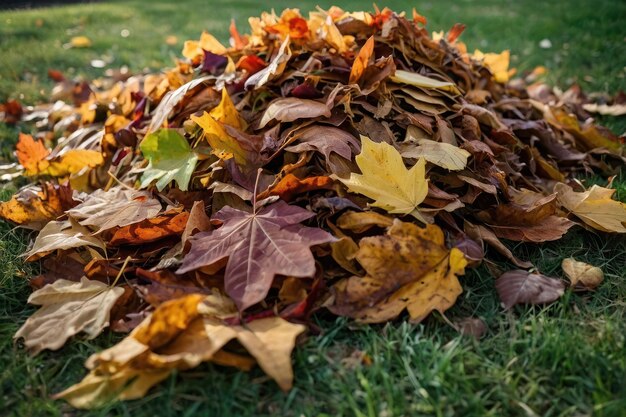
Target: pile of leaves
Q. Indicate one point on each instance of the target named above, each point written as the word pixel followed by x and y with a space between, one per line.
pixel 345 163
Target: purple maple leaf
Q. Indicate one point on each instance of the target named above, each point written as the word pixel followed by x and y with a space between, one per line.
pixel 258 246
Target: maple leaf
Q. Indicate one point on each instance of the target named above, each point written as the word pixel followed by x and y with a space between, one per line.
pixel 62 235
pixel 170 159
pixel 324 139
pixel 68 308
pixel 258 246
pixel 595 207
pixel 115 207
pixel 31 154
pixel 498 64
pixel 407 268
pixel 386 180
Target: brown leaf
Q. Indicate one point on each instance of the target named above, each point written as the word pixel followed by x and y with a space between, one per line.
pixel 522 287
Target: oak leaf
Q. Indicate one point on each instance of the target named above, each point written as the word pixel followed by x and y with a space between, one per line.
pixel 386 180
pixel 170 158
pixel 594 207
pixel 258 245
pixel 68 308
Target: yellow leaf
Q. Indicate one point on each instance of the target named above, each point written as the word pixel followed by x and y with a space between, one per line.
pixel 208 42
pixel 73 162
pixel 498 64
pixel 595 207
pixel 412 78
pixel 226 112
pixel 441 154
pixel 408 268
pixel 224 146
pixel 588 276
pixel 80 42
pixel 386 180
pixel 68 308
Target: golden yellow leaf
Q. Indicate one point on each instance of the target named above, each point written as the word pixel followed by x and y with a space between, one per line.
pixel 73 162
pixel 498 64
pixel 33 207
pixel 595 207
pixel 208 42
pixel 386 180
pixel 588 276
pixel 226 113
pixel 408 268
pixel 68 308
pixel 80 42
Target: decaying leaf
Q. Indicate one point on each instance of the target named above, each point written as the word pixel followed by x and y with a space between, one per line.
pixel 595 207
pixel 582 274
pixel 258 245
pixel 68 308
pixel 386 180
pixel 407 268
pixel 523 287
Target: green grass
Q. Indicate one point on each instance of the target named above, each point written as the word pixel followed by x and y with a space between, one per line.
pixel 565 359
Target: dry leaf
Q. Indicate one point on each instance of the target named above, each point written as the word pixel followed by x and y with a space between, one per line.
pixel 68 308
pixel 595 207
pixel 582 274
pixel 62 235
pixel 523 287
pixel 441 154
pixel 291 108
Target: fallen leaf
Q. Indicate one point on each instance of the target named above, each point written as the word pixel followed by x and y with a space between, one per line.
pixel 595 207
pixel 364 58
pixel 116 207
pixel 441 154
pixel 275 67
pixel 31 154
pixel 605 109
pixel 408 268
pixel 292 108
pixel 150 230
pixel 258 245
pixel 290 185
pixel 582 274
pixel 326 140
pixel 498 64
pixel 523 287
pixel 386 180
pixel 32 207
pixel 80 42
pixel 73 161
pixel 68 308
pixel 360 222
pixel 418 80
pixel 170 158
pixel 59 235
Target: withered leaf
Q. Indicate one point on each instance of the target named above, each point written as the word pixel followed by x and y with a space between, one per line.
pixel 292 108
pixel 258 245
pixel 149 230
pixel 68 308
pixel 62 235
pixel 116 207
pixel 523 287
pixel 581 273
pixel 595 207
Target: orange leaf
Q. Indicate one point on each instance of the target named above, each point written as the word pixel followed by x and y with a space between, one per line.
pixel 290 185
pixel 33 207
pixel 363 59
pixel 150 230
pixel 31 154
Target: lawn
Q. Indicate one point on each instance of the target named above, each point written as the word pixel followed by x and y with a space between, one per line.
pixel 565 359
